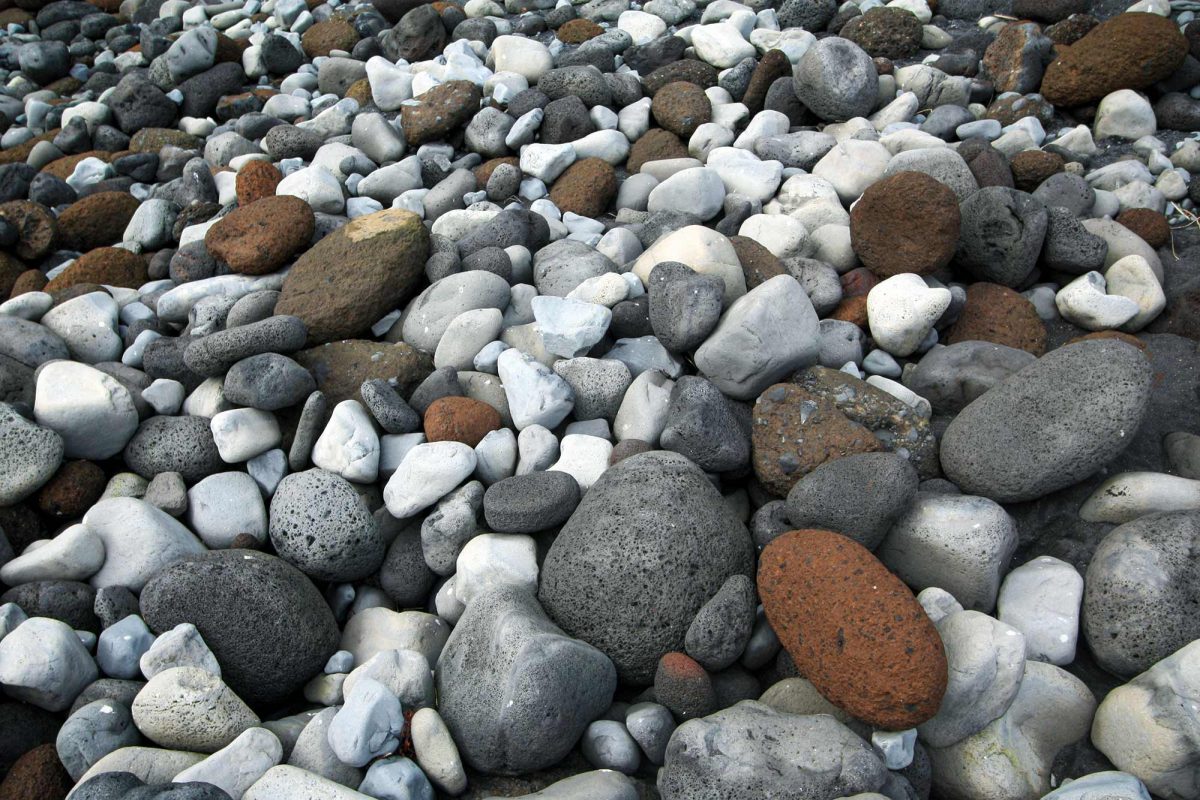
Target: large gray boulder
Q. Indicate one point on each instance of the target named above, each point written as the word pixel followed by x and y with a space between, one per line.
pixel 649 545
pixel 752 750
pixel 836 80
pixel 514 690
pixel 1141 590
pixel 1050 425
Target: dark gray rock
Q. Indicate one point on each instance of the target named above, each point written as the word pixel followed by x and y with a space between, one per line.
pixel 69 601
pixel 174 444
pixel 440 383
pixel 1001 234
pixel 137 103
pixel 858 496
pixel 751 750
pixel 1140 591
pixel 107 786
pixel 835 79
pixel 529 503
pixel 214 354
pixel 178 791
pixel 321 525
pixel 509 227
pixel 30 343
pixel 651 526
pixel 560 267
pixel 566 120
pixel 1050 425
pixel 812 15
pixel 684 305
pixel 388 408
pixel 950 377
pixel 30 454
pixel 706 426
pixel 93 732
pixel 585 82
pixel 1064 190
pixel 514 690
pixel 288 141
pixel 404 575
pixel 722 627
pixel 268 626
pixel 312 421
pixel 1069 247
pixel 268 381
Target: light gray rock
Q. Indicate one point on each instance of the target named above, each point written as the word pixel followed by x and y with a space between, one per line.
pixel 404 673
pixel 243 433
pixel 607 745
pixel 1117 785
pixel 536 395
pixel 722 626
pixel 958 542
pixel 597 785
pixel 765 335
pixel 88 324
pixel 598 384
pixel 313 754
pixel 186 708
pixel 450 526
pixel 428 317
pixel 294 783
pixel 368 725
pixel 92 411
pixel 182 646
pixel 751 750
pixel 121 647
pixel 436 752
pixel 374 630
pixel 1041 599
pixel 1012 757
pixel 74 555
pixel 139 540
pixel 224 505
pixel 525 706
pixel 986 661
pixel 559 267
pixel 396 778
pixel 836 80
pixel 43 663
pixel 148 764
pixel 235 767
pixel 427 474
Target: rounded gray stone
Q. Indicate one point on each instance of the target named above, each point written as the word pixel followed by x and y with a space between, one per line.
pixel 836 80
pixel 174 444
pixel 320 524
pixel 859 496
pixel 530 503
pixel 268 381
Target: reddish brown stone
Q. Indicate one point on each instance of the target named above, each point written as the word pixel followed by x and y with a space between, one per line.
pixel 114 266
pixel 37 775
pixel 60 296
pixel 905 223
pixel 332 34
pixel 578 31
pixel 72 490
pixel 758 263
pixel 883 66
pixel 96 220
pixel 1031 167
pixel 682 685
pixel 858 282
pixel 997 314
pixel 442 109
pixel 257 180
pixel 10 272
pixel 245 541
pixel 263 236
pixel 771 67
pixel 655 145
pixel 1071 29
pixel 1151 225
pixel 1130 51
pixel 484 171
pixel 360 92
pixel 852 309
pixel 853 628
pixel 460 419
pixel 585 188
pixel 1009 108
pixel 884 32
pixel 1014 60
pixel 21 151
pixel 341 367
pixel 36 227
pixel 681 107
pixel 31 280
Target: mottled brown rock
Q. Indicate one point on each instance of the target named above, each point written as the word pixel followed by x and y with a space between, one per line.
pixel 60 296
pixel 442 109
pixel 1048 10
pixel 1008 109
pixel 771 67
pixel 31 280
pixel 261 237
pixel 1118 335
pixel 460 419
pixel 10 273
pixel 852 309
pixel 905 223
pixel 1031 167
pixel 256 181
pixel 114 266
pixel 685 69
pixel 355 275
pixel 21 151
pixel 988 165
pixel 681 107
pixel 37 775
pixel 1130 51
pixel 826 414
pixel 578 31
pixel 63 167
pixel 655 145
pixel 997 314
pixel 36 227
pixel 885 32
pixel 858 282
pixel 340 368
pixel 360 92
pixel 1071 29
pixel 853 628
pixel 586 188
pixel 758 263
pixel 324 37
pixel 73 490
pixel 1147 223
pixel 96 220
pixel 151 140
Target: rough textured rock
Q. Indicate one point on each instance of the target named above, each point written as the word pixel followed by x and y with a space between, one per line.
pixel 853 628
pixel 907 222
pixel 651 527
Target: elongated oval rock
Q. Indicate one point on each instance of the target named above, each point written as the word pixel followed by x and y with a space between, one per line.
pixel 1050 425
pixel 853 628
